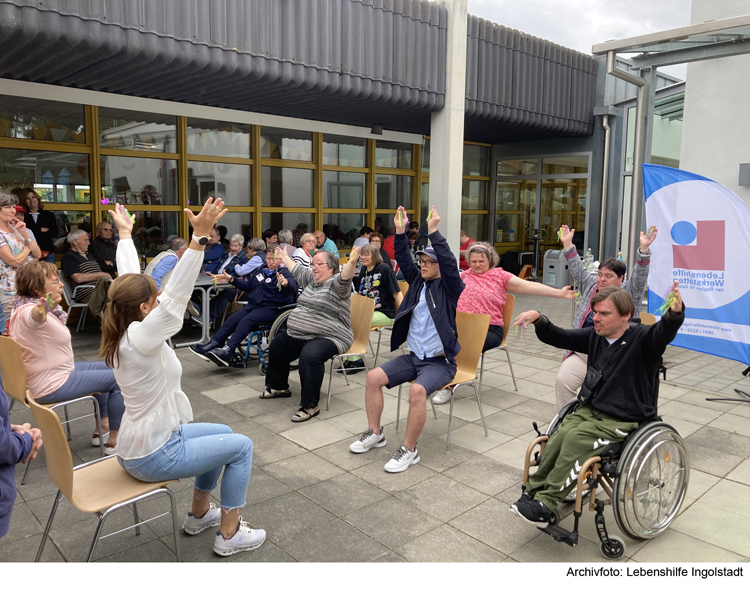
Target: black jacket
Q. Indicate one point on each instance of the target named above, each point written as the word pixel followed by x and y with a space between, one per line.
pixel 442 293
pixel 45 219
pixel 240 259
pixel 629 383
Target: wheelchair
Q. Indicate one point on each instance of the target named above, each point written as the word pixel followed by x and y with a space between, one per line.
pixel 256 345
pixel 644 478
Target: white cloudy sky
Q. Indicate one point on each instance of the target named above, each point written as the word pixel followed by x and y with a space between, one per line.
pixel 579 24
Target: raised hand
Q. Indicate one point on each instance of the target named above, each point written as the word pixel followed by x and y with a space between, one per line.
pixel 212 212
pixel 122 219
pixel 566 236
pixel 223 277
pixel 433 219
pixel 568 293
pixel 524 318
pixel 648 238
pixel 400 220
pixel 281 280
pixel 677 303
pixel 354 256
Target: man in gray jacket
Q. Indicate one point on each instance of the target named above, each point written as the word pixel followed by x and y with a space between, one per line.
pixel 611 274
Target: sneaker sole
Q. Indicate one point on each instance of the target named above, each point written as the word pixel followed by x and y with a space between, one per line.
pixel 217 360
pixel 363 451
pixel 234 550
pixel 534 523
pixel 192 531
pixel 437 402
pixel 199 354
pixel 397 470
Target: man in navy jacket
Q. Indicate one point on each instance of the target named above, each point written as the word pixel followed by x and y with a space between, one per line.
pixel 426 320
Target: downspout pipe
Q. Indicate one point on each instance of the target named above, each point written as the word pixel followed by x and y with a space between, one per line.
pixel 605 183
pixel 640 128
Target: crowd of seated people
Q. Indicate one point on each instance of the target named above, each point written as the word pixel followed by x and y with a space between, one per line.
pixel 267 274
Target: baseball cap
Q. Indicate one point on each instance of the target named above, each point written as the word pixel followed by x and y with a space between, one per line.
pixel 20 208
pixel 430 252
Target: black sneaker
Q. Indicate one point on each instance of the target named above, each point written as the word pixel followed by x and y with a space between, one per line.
pixel 221 357
pixel 534 512
pixel 355 366
pixel 202 350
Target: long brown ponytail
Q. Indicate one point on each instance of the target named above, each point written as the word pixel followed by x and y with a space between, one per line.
pixel 126 294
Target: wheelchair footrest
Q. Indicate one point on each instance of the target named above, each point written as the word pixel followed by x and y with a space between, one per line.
pixel 560 534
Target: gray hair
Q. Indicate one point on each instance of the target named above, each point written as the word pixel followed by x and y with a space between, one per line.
pixel 285 236
pixel 487 250
pixel 331 260
pixel 256 244
pixel 239 238
pixel 75 235
pixel 177 244
pixel 7 198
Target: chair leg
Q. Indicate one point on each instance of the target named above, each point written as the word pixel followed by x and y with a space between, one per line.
pixel 67 422
pixel 434 412
pixel 510 365
pixel 479 404
pixel 136 519
pixel 47 529
pixel 175 524
pixel 98 533
pixel 398 407
pixel 450 423
pixel 481 373
pixel 26 472
pixel 343 369
pixel 330 378
pixel 12 403
pixel 377 352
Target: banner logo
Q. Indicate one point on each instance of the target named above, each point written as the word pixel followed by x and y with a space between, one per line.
pixel 707 254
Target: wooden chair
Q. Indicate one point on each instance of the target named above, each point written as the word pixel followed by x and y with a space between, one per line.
pixel 13 375
pixel 100 487
pixel 380 329
pixel 472 332
pixel 343 260
pixel 362 309
pixel 647 319
pixel 404 285
pixel 510 302
pixel 69 294
pixel 525 272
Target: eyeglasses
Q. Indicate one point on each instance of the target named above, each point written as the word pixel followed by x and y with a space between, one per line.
pixel 320 264
pixel 426 262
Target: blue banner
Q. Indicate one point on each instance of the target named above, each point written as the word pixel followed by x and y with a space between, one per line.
pixel 697 218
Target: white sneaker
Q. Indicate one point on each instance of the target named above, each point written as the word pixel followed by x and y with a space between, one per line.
pixel 442 396
pixel 367 441
pixel 194 526
pixel 402 459
pixel 110 450
pixel 95 439
pixel 244 540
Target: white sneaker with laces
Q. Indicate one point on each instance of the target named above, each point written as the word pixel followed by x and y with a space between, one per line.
pixel 110 450
pixel 442 396
pixel 194 526
pixel 402 459
pixel 367 441
pixel 244 540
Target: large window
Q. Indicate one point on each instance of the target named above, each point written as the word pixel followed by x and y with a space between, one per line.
pixel 34 119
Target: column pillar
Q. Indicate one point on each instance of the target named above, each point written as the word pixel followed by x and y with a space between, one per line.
pixel 447 128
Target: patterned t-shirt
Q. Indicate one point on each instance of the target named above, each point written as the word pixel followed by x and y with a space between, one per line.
pixel 484 293
pixel 379 284
pixel 15 242
pixel 74 262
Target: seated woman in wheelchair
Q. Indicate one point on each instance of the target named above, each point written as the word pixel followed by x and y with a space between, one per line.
pixel 619 392
pixel 267 289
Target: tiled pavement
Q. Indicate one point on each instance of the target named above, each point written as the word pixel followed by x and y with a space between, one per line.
pixel 319 502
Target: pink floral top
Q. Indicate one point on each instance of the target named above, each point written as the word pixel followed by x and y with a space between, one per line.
pixel 485 293
pixel 15 242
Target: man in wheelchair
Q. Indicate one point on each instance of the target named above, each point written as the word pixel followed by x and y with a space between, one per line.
pixel 266 290
pixel 619 392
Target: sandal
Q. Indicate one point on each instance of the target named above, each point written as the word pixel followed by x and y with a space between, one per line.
pixel 95 438
pixel 305 414
pixel 269 393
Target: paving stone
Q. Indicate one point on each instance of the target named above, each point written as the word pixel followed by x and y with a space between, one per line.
pixel 392 483
pixel 707 459
pixel 740 474
pixel 302 470
pixel 442 497
pixel 446 544
pixel 25 549
pixel 316 434
pixel 485 475
pixel 285 516
pixel 433 454
pixel 334 541
pixel 716 526
pixel 343 494
pixel 673 546
pixel 392 522
pixel 473 437
pixel 513 424
pixel 722 440
pixel 339 454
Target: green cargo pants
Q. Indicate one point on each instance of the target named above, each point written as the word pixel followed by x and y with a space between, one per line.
pixel 583 434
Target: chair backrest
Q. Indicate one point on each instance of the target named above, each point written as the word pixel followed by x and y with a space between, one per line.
pixel 57 452
pixel 472 332
pixel 67 289
pixel 12 371
pixel 362 310
pixel 343 260
pixel 404 285
pixel 510 302
pixel 525 272
pixel 647 319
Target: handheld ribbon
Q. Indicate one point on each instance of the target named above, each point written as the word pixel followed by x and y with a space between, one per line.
pixel 651 230
pixel 669 298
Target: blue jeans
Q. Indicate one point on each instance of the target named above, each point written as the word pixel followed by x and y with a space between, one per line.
pixel 201 450
pixel 88 377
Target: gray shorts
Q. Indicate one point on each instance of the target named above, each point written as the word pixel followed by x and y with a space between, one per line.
pixel 432 373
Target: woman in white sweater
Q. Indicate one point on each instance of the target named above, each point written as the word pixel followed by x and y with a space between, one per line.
pixel 156 441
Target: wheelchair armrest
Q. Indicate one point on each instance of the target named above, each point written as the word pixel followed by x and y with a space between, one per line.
pixel 287 307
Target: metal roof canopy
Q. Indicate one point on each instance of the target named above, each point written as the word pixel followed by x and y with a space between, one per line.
pixel 710 40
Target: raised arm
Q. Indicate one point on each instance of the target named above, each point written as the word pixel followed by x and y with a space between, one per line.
pixel 401 247
pixel 516 285
pixel 636 285
pixel 576 339
pixel 126 256
pixel 451 277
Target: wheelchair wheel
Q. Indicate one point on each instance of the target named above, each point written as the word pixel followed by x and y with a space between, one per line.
pixel 653 474
pixel 262 369
pixel 615 550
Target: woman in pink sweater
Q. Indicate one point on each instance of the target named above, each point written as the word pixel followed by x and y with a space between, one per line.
pixel 37 324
